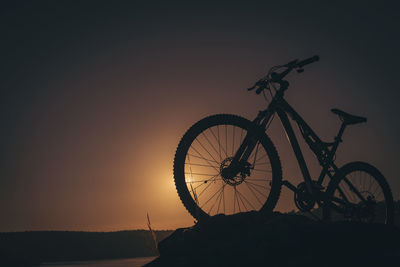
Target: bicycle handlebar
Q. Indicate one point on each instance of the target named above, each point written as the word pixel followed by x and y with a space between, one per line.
pixel 307 61
pixel 277 77
pixel 295 64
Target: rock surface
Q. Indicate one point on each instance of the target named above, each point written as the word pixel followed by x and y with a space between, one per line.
pixel 249 239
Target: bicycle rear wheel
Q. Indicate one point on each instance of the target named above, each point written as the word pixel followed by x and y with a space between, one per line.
pixel 362 194
pixel 205 150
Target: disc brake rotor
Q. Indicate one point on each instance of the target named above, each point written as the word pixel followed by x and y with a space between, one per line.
pixel 237 179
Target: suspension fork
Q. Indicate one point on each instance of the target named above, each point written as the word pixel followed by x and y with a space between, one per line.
pixel 253 136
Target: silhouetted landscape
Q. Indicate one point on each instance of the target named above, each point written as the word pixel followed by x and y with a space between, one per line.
pixel 250 239
pixel 242 239
pixel 35 247
pixel 96 96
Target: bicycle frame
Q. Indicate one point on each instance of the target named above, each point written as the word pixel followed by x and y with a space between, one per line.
pixel 320 149
pixel 350 191
pixel 325 152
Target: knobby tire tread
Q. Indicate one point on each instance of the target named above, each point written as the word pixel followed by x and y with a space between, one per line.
pixel 189 137
pixel 373 171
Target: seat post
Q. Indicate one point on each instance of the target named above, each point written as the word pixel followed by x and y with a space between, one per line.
pixel 338 139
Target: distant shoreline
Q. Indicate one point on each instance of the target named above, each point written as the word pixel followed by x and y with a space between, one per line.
pixel 82 231
pixel 133 262
pixel 34 247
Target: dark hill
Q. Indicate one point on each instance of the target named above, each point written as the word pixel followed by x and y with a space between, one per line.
pixel 29 248
pixel 248 239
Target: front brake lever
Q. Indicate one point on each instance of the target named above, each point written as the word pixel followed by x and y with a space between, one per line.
pixel 261 86
pixel 259 83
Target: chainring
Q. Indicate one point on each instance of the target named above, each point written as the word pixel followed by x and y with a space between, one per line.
pixel 303 199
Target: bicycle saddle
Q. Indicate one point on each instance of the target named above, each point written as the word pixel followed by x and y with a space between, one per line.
pixel 347 118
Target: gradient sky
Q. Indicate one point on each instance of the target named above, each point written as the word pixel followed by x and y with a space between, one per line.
pixel 95 97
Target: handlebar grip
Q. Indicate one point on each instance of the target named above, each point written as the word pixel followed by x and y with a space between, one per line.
pixel 308 61
pixel 251 88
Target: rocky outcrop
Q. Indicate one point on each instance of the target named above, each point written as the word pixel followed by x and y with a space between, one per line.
pixel 249 239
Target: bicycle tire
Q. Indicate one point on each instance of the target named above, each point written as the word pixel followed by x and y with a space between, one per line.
pixel 184 176
pixel 370 182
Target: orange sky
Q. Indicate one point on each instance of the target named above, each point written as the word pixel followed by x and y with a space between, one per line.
pixel 97 98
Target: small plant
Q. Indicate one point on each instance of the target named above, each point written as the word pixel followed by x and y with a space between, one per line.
pixel 153 234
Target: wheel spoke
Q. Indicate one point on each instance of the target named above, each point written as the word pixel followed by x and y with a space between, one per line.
pixel 353 189
pixel 243 197
pixel 203 182
pixel 376 188
pixel 205 159
pixel 237 197
pixel 255 188
pixel 253 193
pixel 210 198
pixel 226 153
pixel 205 136
pixel 206 150
pixel 204 189
pixel 218 141
pixel 201 174
pixel 190 169
pixel 201 165
pixel 218 197
pixel 194 195
pixel 223 196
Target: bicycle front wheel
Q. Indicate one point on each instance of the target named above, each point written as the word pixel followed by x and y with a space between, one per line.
pixel 206 149
pixel 360 193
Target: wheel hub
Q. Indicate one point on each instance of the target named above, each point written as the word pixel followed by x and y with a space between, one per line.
pixel 364 211
pixel 233 174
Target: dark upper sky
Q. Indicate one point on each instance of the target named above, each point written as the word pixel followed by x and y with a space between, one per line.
pixel 96 95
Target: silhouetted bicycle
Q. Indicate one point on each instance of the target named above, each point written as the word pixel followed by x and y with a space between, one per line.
pixel 227 164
